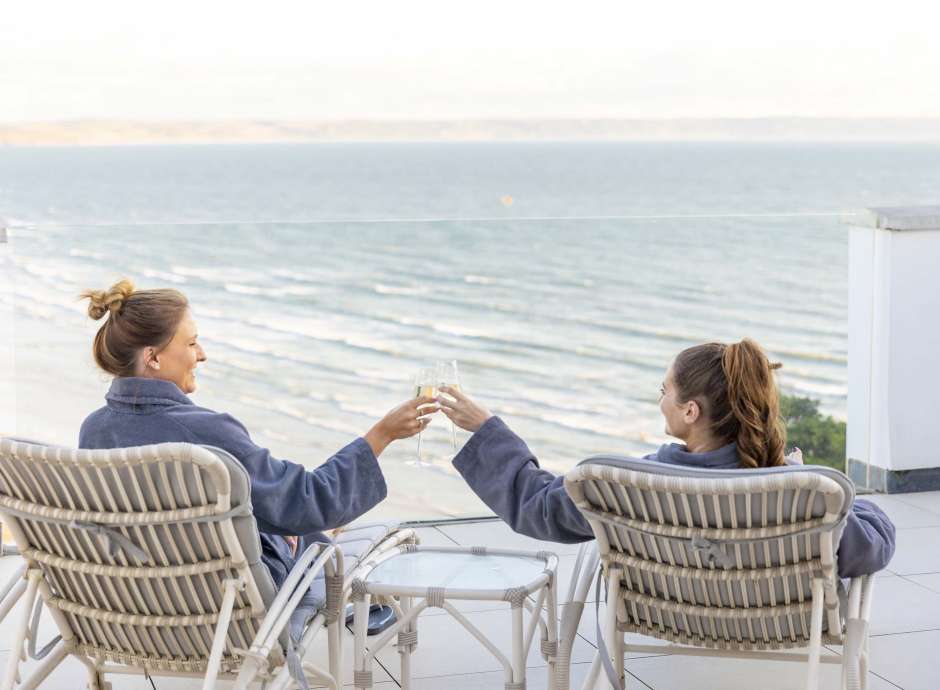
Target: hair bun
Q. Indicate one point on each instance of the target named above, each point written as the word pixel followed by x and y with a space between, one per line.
pixel 111 300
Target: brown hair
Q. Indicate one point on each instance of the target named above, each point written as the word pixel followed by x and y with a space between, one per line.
pixel 136 319
pixel 735 387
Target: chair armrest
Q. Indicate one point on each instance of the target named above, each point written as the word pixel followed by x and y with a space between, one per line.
pixel 306 569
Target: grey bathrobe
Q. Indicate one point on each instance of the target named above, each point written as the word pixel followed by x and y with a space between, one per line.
pixel 286 498
pixel 504 473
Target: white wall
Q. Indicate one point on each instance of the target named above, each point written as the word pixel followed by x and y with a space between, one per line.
pixel 894 343
pixel 914 365
pixel 861 286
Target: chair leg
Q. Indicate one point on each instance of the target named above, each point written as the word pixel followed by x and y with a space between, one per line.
pixel 551 613
pixel 221 632
pixel 815 639
pixel 614 637
pixel 16 650
pixel 572 610
pixel 618 645
pixel 334 633
pixel 12 591
pixel 47 666
pixel 567 633
pixel 96 680
pixel 360 624
pixel 863 666
pixel 590 682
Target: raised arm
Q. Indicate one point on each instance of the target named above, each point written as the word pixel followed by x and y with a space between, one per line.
pixel 502 471
pixel 289 499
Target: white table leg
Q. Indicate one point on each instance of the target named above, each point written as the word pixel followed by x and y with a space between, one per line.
pixel 405 650
pixel 518 646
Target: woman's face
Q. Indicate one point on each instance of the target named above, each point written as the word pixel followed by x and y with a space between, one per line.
pixel 679 416
pixel 177 361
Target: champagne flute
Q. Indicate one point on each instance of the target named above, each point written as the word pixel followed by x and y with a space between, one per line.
pixel 425 385
pixel 448 376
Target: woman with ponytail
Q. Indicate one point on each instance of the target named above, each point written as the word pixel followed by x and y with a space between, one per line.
pixel 720 400
pixel 149 344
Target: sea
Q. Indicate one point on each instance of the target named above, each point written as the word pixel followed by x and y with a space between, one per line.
pixel 563 277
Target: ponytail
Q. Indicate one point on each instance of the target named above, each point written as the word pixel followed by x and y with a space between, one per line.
pixel 755 403
pixel 734 386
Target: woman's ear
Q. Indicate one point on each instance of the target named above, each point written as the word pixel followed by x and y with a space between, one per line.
pixel 150 357
pixel 692 412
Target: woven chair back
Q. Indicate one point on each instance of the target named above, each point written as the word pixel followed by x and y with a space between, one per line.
pixel 716 558
pixel 135 544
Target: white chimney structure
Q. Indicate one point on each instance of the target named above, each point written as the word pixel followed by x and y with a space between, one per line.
pixel 894 349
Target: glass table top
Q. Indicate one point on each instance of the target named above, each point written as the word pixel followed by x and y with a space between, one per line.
pixel 456 570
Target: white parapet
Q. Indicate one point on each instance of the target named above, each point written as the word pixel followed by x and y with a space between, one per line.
pixel 894 348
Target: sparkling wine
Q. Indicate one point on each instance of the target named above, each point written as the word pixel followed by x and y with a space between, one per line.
pixel 422 391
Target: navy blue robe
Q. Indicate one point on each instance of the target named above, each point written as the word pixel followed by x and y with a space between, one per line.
pixel 504 473
pixel 286 498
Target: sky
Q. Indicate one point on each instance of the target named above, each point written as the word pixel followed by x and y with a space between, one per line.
pixel 434 59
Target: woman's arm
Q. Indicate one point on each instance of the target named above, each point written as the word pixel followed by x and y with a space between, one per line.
pixel 868 541
pixel 502 471
pixel 287 498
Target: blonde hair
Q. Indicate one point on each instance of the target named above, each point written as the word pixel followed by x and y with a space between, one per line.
pixel 736 389
pixel 136 319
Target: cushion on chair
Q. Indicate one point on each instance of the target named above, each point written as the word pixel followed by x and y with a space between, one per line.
pixel 356 543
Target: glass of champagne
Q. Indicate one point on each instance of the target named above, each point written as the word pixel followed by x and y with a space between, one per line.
pixel 425 385
pixel 447 376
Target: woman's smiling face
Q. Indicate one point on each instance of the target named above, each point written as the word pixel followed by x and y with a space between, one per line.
pixel 177 361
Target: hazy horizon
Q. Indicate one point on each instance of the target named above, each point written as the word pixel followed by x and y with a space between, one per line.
pixel 92 132
pixel 422 60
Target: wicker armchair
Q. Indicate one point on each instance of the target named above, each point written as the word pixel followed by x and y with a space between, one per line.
pixel 149 561
pixel 738 563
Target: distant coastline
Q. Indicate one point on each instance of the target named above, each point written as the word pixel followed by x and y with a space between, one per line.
pixel 94 132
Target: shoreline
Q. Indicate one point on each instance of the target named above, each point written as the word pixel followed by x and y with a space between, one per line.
pixel 105 132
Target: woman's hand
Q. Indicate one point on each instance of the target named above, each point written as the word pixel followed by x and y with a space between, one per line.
pixel 461 410
pixel 795 457
pixel 403 421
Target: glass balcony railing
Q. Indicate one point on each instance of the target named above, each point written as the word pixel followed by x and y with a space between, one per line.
pixel 314 330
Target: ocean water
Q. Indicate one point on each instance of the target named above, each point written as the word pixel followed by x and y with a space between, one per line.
pixel 562 277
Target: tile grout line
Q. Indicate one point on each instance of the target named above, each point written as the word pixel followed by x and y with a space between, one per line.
pixel 907 575
pixel 639 680
pixel 391 675
pixel 908 579
pixel 889 682
pixel 913 505
pixel 906 632
pixel 446 535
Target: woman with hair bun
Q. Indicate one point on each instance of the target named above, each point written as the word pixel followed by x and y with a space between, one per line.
pixel 720 400
pixel 149 343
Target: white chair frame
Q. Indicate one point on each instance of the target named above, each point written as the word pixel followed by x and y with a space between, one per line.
pixel 196 610
pixel 631 546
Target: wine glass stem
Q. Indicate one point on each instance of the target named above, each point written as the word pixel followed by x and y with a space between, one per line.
pixel 453 428
pixel 419 446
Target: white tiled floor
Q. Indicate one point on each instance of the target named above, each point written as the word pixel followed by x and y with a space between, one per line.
pixel 918 551
pixel 905 627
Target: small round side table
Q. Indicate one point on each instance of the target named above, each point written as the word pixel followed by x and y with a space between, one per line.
pixel 414 578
